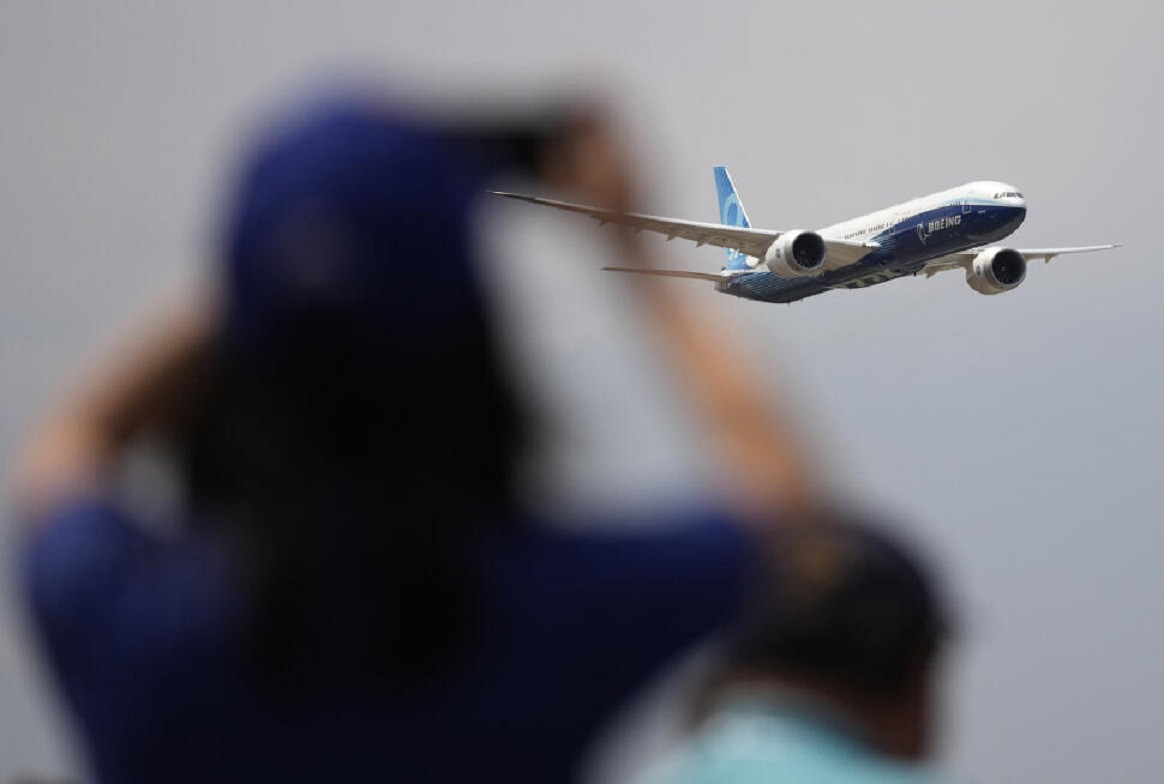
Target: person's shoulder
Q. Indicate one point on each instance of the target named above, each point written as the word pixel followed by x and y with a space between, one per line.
pixel 646 592
pixel 78 546
pixel 699 530
pixel 768 768
pixel 742 749
pixel 88 556
pixel 692 551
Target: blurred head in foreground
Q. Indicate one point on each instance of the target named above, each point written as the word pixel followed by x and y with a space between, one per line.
pixel 357 379
pixel 849 616
pixel 835 664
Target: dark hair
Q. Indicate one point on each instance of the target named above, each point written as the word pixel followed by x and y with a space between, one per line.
pixel 841 604
pixel 391 470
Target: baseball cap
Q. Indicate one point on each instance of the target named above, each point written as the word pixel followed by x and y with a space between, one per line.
pixel 349 236
pixel 845 600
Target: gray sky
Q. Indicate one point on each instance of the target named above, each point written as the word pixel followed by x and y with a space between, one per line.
pixel 1022 435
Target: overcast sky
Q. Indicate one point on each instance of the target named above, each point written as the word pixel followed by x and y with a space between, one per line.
pixel 1022 435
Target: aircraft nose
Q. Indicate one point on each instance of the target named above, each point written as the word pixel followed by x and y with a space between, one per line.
pixel 1018 215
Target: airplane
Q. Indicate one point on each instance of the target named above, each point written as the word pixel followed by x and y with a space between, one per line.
pixel 947 230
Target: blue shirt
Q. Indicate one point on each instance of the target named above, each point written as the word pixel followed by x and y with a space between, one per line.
pixel 753 740
pixel 146 637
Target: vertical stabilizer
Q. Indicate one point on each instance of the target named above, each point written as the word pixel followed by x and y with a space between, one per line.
pixel 731 213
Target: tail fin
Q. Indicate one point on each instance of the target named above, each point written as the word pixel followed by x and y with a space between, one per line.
pixel 731 213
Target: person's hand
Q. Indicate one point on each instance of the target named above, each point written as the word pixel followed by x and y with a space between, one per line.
pixel 589 160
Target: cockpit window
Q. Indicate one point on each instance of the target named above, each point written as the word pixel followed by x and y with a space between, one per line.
pixel 1008 194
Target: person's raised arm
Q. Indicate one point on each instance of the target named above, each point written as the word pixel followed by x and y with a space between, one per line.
pixel 748 422
pixel 142 381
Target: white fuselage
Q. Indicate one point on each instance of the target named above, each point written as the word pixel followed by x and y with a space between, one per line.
pixel 908 235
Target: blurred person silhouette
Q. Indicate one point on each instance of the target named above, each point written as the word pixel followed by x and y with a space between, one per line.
pixel 353 590
pixel 832 675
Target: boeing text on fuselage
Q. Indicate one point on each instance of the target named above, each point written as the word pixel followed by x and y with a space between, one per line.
pixel 924 233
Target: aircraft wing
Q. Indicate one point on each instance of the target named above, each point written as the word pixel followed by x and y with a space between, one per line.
pixel 963 259
pixel 750 242
pixel 715 277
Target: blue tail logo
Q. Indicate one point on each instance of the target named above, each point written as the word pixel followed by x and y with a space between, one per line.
pixel 731 213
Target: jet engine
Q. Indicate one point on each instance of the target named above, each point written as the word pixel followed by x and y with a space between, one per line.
pixel 996 270
pixel 796 253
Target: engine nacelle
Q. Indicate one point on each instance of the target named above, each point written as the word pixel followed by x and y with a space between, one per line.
pixel 797 253
pixel 996 270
